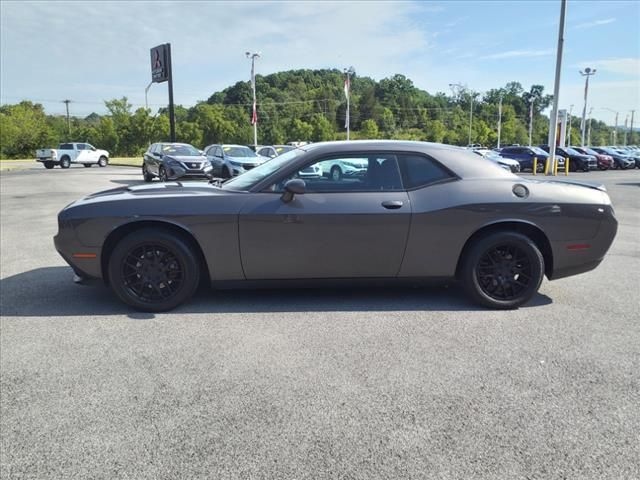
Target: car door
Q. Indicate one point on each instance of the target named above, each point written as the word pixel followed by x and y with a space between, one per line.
pixel 92 154
pixel 347 228
pixel 80 154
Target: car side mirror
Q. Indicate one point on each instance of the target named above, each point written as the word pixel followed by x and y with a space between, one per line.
pixel 293 187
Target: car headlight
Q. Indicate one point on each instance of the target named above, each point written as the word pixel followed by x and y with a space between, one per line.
pixel 236 164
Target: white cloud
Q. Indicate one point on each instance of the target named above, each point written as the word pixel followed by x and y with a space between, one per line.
pixel 624 66
pixel 208 44
pixel 519 54
pixel 596 23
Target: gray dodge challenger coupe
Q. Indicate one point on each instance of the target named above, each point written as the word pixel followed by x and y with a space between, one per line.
pixel 419 212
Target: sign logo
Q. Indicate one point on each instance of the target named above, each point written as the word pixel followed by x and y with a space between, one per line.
pixel 159 70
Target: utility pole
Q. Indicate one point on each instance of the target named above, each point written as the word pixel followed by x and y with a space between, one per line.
pixel 614 141
pixel 587 73
pixel 254 112
pixel 470 118
pixel 626 122
pixel 347 93
pixel 67 102
pixel 499 120
pixel 531 100
pixel 631 134
pixel 556 91
pixel 589 129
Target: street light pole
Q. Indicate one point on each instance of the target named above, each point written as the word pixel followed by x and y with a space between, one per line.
pixel 569 126
pixel 556 91
pixel 587 73
pixel 631 127
pixel 254 112
pixel 626 122
pixel 347 93
pixel 530 119
pixel 146 91
pixel 589 128
pixel 499 120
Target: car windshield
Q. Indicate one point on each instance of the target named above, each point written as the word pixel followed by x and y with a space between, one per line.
pixel 538 151
pixel 588 151
pixel 571 151
pixel 238 151
pixel 246 180
pixel 284 149
pixel 181 150
pixel 490 154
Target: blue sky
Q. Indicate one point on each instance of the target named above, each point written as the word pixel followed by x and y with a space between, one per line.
pixel 92 51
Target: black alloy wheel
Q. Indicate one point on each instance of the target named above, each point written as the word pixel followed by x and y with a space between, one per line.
pixel 153 270
pixel 225 172
pixel 336 173
pixel 162 174
pixel 502 270
pixel 145 173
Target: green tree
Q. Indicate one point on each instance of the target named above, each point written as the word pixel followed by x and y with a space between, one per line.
pixel 369 130
pixel 322 129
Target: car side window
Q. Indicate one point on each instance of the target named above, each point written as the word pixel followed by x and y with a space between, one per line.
pixel 348 173
pixel 79 146
pixel 217 152
pixel 419 171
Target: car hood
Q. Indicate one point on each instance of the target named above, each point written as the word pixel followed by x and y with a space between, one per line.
pixel 187 158
pixel 252 160
pixel 505 160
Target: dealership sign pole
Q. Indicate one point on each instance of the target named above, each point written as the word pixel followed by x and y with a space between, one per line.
pixel 161 72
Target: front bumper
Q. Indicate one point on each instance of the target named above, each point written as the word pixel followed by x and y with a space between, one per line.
pixel 175 172
pixel 85 261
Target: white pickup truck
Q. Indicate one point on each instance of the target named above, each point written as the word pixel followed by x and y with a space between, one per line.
pixel 68 153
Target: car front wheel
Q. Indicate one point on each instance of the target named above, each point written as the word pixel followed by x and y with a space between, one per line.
pixel 145 173
pixel 102 162
pixel 162 174
pixel 502 270
pixel 336 173
pixel 153 270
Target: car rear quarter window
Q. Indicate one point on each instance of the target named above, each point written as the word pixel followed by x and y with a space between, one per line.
pixel 66 146
pixel 419 171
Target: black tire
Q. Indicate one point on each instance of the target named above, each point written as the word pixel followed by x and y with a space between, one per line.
pixel 87 165
pixel 225 172
pixel 162 174
pixel 160 258
pixel 145 173
pixel 335 174
pixel 103 161
pixel 501 255
pixel 65 162
pixel 49 165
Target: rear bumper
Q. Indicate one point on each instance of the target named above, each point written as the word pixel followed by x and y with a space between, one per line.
pixel 579 256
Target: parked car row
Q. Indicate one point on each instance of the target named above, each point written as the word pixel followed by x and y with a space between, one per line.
pixel 582 159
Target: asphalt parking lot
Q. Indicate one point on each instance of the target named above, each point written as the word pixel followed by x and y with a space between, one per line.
pixel 349 384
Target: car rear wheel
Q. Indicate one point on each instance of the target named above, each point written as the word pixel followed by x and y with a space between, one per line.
pixel 502 270
pixel 162 174
pixel 49 165
pixel 102 162
pixel 145 173
pixel 65 162
pixel 153 270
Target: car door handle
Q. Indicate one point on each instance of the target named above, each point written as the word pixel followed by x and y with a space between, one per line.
pixel 392 204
